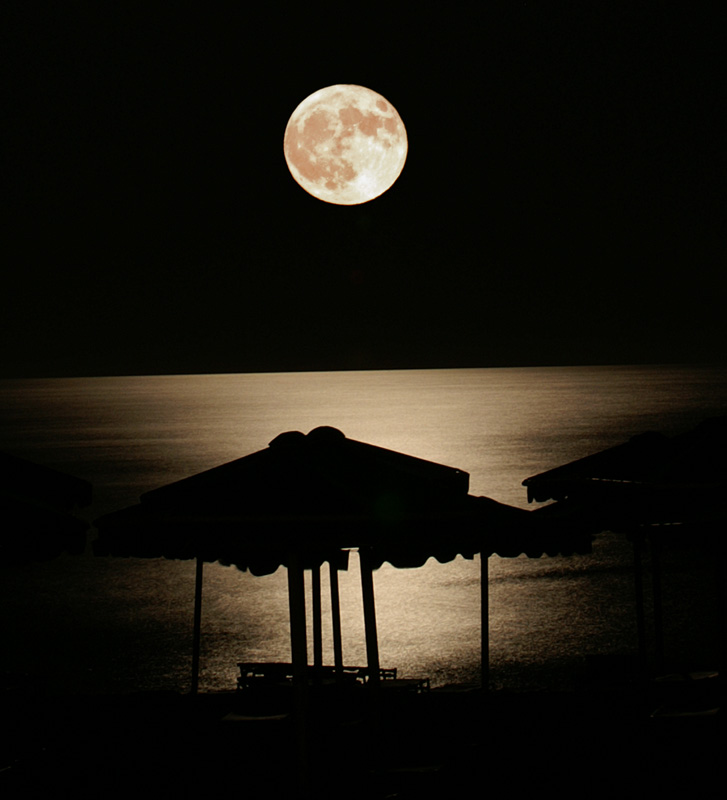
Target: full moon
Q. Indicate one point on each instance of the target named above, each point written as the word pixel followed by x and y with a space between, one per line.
pixel 345 144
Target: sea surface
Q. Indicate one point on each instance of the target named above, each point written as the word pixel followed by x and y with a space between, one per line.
pixel 92 624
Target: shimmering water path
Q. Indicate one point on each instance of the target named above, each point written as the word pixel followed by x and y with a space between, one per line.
pixel 94 623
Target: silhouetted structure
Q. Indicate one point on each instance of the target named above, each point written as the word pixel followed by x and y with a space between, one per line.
pixel 309 499
pixel 656 489
pixel 37 506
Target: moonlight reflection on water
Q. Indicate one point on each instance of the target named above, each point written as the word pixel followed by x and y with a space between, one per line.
pixel 126 624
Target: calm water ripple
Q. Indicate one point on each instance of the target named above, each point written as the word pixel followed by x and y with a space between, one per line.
pixel 92 623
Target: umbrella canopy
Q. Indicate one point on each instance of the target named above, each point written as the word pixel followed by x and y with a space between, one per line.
pixel 313 495
pixel 36 510
pixel 317 494
pixel 656 488
pixel 310 498
pixel 652 479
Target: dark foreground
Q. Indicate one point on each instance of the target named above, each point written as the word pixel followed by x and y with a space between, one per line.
pixel 454 742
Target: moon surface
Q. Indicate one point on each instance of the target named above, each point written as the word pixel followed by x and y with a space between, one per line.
pixel 345 144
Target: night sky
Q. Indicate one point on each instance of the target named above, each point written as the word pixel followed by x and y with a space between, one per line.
pixel 562 201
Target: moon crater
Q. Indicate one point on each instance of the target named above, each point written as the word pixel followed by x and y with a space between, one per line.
pixel 345 144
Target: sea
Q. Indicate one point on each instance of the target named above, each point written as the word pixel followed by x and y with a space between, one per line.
pixel 98 624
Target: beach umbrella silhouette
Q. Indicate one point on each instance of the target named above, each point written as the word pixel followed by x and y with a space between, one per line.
pixel 653 487
pixel 307 499
pixel 37 510
pixel 301 501
pixel 650 476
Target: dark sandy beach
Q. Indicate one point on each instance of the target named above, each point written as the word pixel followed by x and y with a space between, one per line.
pixel 455 741
pixel 600 725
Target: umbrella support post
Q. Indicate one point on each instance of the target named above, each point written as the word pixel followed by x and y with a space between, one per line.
pixel 721 582
pixel 196 638
pixel 639 592
pixel 336 620
pixel 373 710
pixel 317 620
pixel 485 621
pixel 369 609
pixel 658 614
pixel 299 657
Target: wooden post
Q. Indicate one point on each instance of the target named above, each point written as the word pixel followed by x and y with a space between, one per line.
pixel 721 580
pixel 369 608
pixel 485 621
pixel 336 620
pixel 197 633
pixel 296 600
pixel 657 601
pixel 639 592
pixel 317 620
pixel 299 657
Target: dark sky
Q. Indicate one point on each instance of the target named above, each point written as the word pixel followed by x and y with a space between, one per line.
pixel 562 201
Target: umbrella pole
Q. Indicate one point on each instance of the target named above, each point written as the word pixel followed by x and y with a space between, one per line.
pixel 639 592
pixel 296 600
pixel 656 593
pixel 369 608
pixel 299 657
pixel 721 581
pixel 485 621
pixel 197 624
pixel 336 620
pixel 317 620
